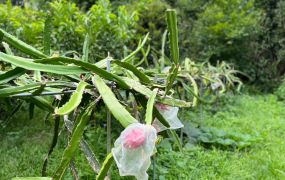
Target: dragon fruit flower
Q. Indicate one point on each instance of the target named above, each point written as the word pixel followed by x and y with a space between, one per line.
pixel 162 107
pixel 134 139
pixel 170 115
pixel 133 149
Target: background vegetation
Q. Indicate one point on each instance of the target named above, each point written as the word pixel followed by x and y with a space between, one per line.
pixel 240 134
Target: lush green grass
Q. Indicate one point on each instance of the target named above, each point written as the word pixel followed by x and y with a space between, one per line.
pixel 262 115
pixel 24 145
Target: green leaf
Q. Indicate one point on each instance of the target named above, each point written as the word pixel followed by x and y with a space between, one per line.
pixel 142 89
pixel 189 90
pixel 39 90
pixel 53 144
pixel 74 100
pixel 142 100
pixel 47 35
pixel 149 107
pixel 31 110
pixel 13 90
pixel 1 36
pixel 20 45
pixel 42 103
pixel 171 78
pixel 37 76
pixel 86 48
pixel 118 111
pixel 196 90
pixel 12 74
pixel 103 63
pixel 28 64
pixel 174 50
pixel 7 48
pixel 6 92
pixel 32 178
pixel 177 140
pixel 126 59
pixel 73 143
pixel 143 78
pixel 105 167
pixel 162 59
pixel 91 67
pixel 85 148
pixel 173 34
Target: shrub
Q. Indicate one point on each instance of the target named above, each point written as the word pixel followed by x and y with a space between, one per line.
pixel 280 92
pixel 109 28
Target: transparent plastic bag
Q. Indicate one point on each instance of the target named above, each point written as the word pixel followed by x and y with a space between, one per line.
pixel 133 149
pixel 170 115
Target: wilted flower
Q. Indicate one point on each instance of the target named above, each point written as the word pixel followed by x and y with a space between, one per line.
pixel 170 115
pixel 136 144
pixel 133 149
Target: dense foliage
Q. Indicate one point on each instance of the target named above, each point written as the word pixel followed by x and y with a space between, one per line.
pixel 109 30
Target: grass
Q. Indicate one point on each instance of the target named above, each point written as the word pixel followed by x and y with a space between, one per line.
pixel 262 115
pixel 25 142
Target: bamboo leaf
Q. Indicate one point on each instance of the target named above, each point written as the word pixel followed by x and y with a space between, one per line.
pixel 143 78
pixel 73 143
pixel 173 34
pixel 28 64
pixel 74 100
pixel 20 45
pixel 105 167
pixel 118 111
pixel 149 107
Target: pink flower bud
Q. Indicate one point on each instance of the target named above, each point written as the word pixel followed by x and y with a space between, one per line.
pixel 134 139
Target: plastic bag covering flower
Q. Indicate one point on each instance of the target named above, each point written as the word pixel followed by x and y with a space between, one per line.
pixel 133 149
pixel 170 115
